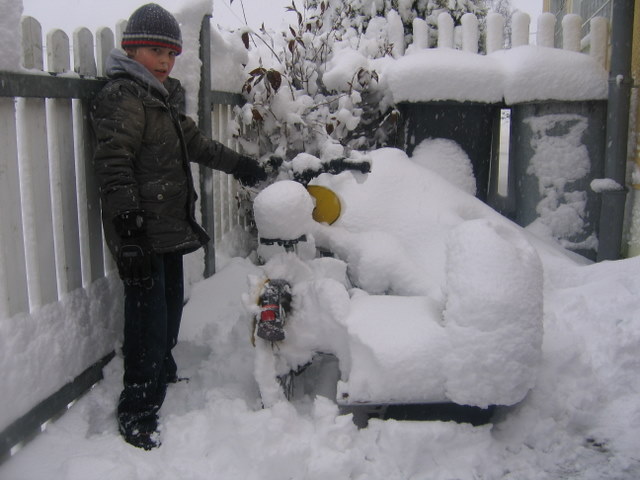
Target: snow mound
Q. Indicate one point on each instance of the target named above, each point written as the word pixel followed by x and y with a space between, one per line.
pixel 492 315
pixel 445 74
pixel 409 241
pixel 448 159
pixel 283 211
pixel 521 74
pixel 538 73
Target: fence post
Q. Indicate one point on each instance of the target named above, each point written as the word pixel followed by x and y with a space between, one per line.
pixel 204 120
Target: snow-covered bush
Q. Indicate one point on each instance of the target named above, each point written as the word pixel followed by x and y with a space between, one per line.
pixel 317 85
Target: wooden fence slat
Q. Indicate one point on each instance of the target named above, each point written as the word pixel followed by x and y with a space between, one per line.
pixel 546 30
pixel 470 33
pixel 571 32
pixel 91 244
pixel 84 62
pixel 36 201
pixel 121 25
pixel 31 43
pixel 13 277
pixel 520 29
pixel 104 44
pixel 420 33
pixel 495 32
pixel 599 47
pixel 445 31
pixel 58 54
pixel 63 175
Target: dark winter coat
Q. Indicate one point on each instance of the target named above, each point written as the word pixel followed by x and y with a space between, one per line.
pixel 144 146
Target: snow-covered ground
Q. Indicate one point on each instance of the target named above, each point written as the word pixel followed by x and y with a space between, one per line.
pixel 579 421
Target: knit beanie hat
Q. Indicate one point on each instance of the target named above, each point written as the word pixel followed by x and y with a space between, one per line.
pixel 152 26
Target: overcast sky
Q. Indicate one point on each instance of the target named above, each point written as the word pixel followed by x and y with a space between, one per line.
pixel 71 14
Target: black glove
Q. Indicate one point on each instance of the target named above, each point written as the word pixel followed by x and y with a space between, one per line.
pixel 273 163
pixel 134 256
pixel 249 172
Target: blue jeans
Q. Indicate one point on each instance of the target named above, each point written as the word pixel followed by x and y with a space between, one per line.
pixel 151 325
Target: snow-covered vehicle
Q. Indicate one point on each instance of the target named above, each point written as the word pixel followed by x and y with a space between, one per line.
pixel 417 301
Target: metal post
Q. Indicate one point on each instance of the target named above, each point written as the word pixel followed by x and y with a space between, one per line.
pixel 620 82
pixel 204 120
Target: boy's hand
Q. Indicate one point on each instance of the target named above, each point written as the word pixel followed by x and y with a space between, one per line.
pixel 249 171
pixel 134 262
pixel 134 256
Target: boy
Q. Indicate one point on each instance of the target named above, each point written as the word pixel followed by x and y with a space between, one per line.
pixel 144 145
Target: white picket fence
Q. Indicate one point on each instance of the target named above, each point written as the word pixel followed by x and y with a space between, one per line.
pixel 467 36
pixel 54 265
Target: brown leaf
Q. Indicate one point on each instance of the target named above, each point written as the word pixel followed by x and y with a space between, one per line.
pixel 275 79
pixel 257 71
pixel 245 40
pixel 330 128
pixel 256 115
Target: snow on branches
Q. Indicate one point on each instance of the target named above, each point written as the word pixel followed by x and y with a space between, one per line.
pixel 317 85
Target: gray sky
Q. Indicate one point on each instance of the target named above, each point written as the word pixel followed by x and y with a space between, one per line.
pixel 71 14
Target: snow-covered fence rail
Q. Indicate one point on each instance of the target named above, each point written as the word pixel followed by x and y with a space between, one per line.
pixel 60 301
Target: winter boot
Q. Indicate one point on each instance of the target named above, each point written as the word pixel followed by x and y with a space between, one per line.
pixel 141 434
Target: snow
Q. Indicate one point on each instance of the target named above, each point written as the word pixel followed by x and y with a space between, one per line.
pixel 187 67
pixel 228 55
pixel 289 222
pixel 432 296
pixel 579 421
pixel 445 74
pixel 522 74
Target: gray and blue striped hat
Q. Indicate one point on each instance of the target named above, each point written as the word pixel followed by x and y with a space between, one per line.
pixel 152 26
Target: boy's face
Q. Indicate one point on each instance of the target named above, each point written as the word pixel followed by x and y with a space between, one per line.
pixel 158 60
